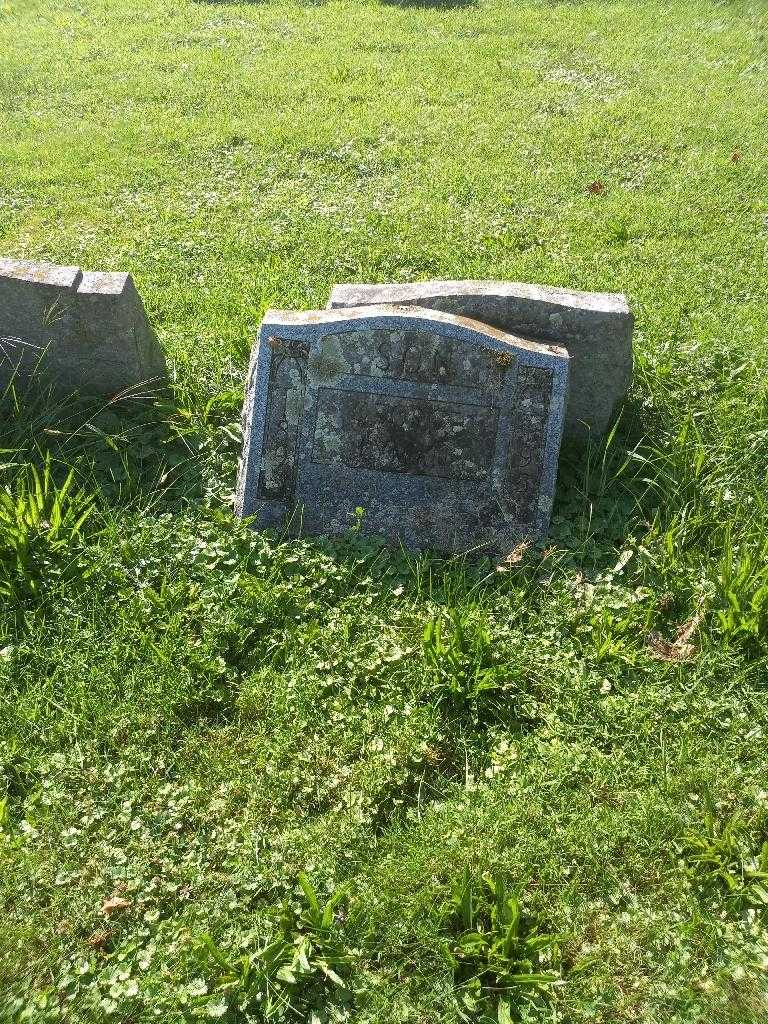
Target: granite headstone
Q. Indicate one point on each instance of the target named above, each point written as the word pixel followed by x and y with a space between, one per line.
pixel 595 328
pixel 80 330
pixel 444 431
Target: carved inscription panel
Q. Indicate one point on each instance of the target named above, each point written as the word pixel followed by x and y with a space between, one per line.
pixel 404 435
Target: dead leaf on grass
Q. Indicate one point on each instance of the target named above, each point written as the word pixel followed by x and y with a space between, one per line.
pixel 514 557
pixel 679 649
pixel 596 188
pixel 114 904
pixel 99 940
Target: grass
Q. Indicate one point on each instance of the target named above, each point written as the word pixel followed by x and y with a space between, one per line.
pixel 246 779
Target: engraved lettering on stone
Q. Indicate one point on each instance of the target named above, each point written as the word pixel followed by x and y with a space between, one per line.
pixel 422 356
pixel 404 435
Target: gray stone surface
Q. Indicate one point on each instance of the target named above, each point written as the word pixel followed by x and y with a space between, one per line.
pixel 82 330
pixel 445 431
pixel 595 327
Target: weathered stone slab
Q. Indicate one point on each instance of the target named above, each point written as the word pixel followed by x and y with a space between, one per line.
pixel 445 432
pixel 81 330
pixel 595 328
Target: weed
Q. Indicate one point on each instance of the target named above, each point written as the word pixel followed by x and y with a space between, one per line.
pixel 501 957
pixel 41 529
pixel 297 972
pixel 457 656
pixel 730 855
pixel 741 594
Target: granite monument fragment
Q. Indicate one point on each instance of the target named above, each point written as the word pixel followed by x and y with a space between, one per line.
pixel 595 328
pixel 80 330
pixel 445 431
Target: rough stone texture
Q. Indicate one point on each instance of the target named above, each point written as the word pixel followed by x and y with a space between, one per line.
pixel 82 330
pixel 445 431
pixel 595 328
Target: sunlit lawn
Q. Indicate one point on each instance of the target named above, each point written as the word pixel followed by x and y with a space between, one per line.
pixel 194 716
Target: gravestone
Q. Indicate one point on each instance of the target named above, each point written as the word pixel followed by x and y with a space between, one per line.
pixel 444 431
pixel 595 328
pixel 80 330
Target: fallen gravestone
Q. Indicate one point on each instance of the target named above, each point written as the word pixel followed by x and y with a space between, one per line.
pixel 81 330
pixel 445 432
pixel 595 328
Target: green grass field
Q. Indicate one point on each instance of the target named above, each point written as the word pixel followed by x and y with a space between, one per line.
pixel 534 791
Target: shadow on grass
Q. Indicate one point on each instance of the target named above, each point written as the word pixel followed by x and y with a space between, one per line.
pixel 605 487
pixel 134 446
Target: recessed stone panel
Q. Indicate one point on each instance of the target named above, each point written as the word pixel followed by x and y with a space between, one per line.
pixel 404 435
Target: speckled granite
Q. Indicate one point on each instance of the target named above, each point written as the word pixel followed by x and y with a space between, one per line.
pixel 80 330
pixel 595 328
pixel 445 431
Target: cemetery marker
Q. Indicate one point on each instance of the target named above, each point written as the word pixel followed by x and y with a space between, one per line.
pixel 81 330
pixel 445 432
